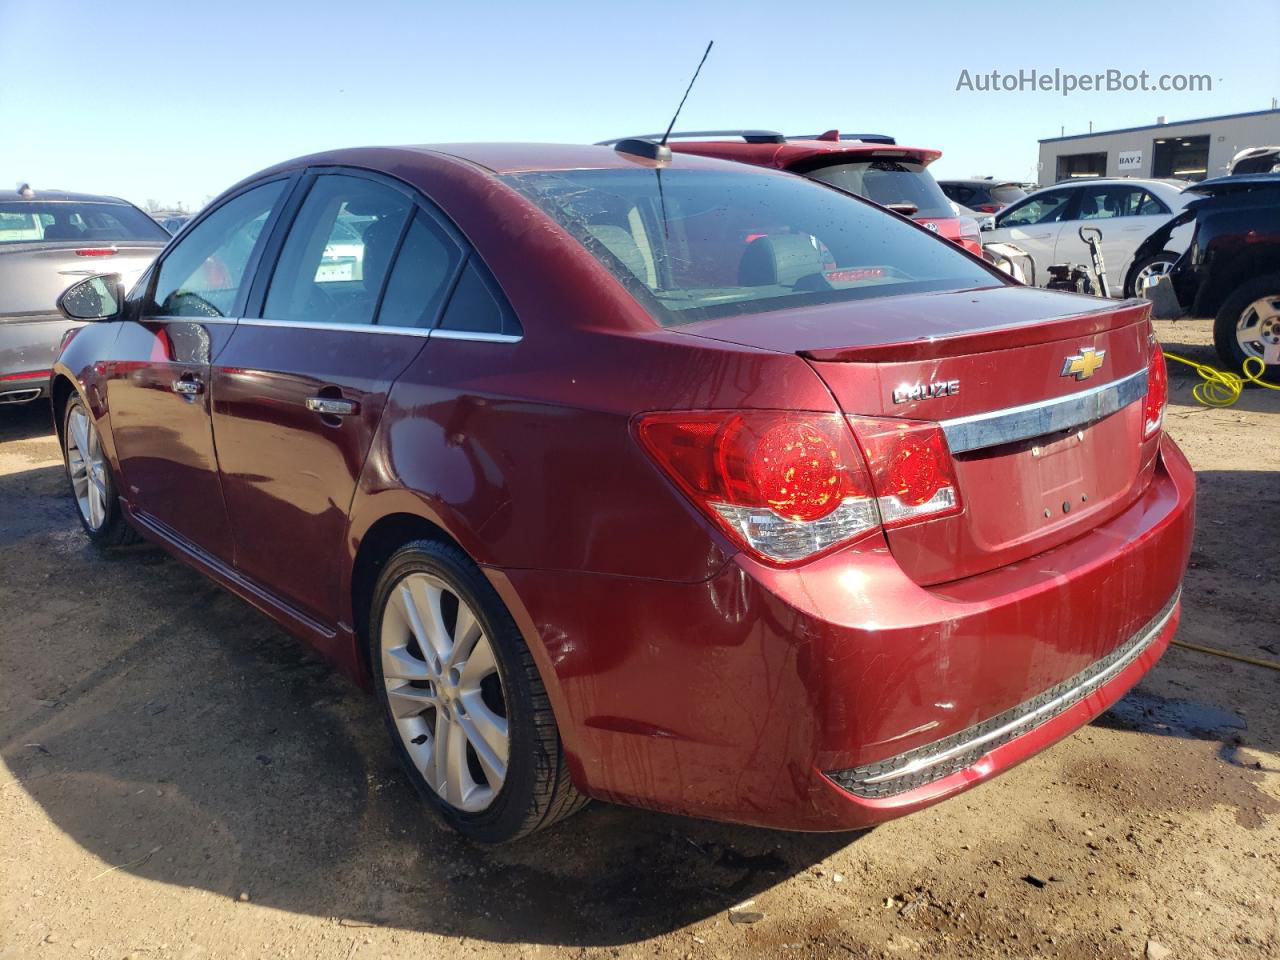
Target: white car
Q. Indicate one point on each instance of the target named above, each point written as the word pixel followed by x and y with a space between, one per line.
pixel 1126 210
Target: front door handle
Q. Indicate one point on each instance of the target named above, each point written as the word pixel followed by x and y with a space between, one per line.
pixel 332 406
pixel 188 387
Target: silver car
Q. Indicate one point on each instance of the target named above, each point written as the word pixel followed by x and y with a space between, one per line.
pixel 49 239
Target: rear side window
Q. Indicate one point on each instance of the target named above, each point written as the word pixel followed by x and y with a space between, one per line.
pixel 338 252
pixel 476 306
pixel 202 273
pixel 32 221
pixel 888 182
pixel 696 244
pixel 421 276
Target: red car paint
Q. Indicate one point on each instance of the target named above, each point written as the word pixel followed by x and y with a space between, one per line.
pixel 685 673
pixel 798 155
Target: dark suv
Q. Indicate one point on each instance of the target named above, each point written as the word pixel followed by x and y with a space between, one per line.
pixel 869 165
pixel 1231 269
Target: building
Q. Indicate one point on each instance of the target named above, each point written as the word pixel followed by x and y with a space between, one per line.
pixel 1186 149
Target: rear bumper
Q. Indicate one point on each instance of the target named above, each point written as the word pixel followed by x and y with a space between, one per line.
pixel 28 347
pixel 781 697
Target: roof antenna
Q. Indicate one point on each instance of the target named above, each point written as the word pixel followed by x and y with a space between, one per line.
pixel 659 152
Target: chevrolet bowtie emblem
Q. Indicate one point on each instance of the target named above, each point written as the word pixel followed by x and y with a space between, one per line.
pixel 1083 364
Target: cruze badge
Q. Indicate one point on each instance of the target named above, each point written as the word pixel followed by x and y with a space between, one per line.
pixel 908 393
pixel 1084 364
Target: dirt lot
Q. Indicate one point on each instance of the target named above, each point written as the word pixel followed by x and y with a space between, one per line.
pixel 182 780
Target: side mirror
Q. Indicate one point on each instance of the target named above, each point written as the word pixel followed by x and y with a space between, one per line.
pixel 94 299
pixel 987 223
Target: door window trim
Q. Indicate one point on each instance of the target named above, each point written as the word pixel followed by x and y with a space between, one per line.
pixel 265 267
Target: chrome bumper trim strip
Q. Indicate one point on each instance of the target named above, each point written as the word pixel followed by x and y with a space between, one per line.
pixel 963 749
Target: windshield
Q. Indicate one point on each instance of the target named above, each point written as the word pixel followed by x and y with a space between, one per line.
pixel 34 221
pixel 886 182
pixel 697 244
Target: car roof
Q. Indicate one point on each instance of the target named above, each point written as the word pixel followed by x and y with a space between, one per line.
pixel 1243 181
pixel 37 196
pixel 1119 181
pixel 506 158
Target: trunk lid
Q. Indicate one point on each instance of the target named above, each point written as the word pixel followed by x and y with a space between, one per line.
pixel 33 276
pixel 1040 395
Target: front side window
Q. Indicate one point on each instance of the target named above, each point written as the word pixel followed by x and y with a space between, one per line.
pixel 202 274
pixel 696 244
pixel 50 221
pixel 336 258
pixel 1048 207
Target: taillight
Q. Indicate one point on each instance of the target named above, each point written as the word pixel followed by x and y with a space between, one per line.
pixel 969 229
pixel 911 469
pixel 787 486
pixel 1157 393
pixel 97 252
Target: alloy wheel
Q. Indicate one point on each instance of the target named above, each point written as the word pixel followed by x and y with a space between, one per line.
pixel 88 468
pixel 445 692
pixel 1148 274
pixel 1258 329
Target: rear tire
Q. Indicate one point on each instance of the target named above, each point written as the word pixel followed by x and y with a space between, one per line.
pixel 1249 319
pixel 463 690
pixel 93 486
pixel 1144 270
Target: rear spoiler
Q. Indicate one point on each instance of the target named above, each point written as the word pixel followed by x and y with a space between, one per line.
pixel 1111 317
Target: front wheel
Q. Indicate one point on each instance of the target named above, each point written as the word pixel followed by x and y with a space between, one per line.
pixel 1248 325
pixel 468 713
pixel 89 474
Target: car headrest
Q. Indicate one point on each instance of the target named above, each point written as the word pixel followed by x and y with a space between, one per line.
pixel 782 259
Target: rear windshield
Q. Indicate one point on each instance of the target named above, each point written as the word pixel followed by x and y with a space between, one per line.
pixel 1007 193
pixel 696 244
pixel 33 221
pixel 888 181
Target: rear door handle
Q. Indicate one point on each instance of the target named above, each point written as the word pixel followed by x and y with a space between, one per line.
pixel 188 387
pixel 332 406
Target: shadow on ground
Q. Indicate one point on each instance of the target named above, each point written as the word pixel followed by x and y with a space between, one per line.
pixel 23 421
pixel 173 732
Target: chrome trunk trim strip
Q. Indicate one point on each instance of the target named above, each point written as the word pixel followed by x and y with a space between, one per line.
pixel 982 430
pixel 963 749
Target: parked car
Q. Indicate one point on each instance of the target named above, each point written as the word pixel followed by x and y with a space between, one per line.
pixel 869 165
pixel 174 222
pixel 47 239
pixel 692 484
pixel 1047 223
pixel 983 195
pixel 1231 268
pixel 1255 160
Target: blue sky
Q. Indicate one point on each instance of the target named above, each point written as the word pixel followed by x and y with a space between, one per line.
pixel 174 101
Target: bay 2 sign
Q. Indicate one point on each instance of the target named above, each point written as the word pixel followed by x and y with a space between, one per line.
pixel 1130 161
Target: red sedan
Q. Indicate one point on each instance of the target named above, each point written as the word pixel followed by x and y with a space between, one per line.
pixel 676 482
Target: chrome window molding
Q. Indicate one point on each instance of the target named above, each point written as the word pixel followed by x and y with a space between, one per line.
pixel 437 333
pixel 996 427
pixel 342 327
pixel 962 750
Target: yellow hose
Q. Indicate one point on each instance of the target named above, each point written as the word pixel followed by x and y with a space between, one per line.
pixel 1256 661
pixel 1221 388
